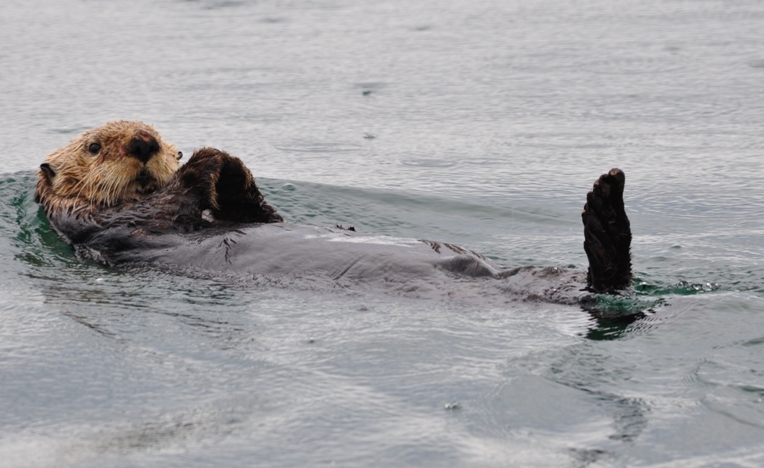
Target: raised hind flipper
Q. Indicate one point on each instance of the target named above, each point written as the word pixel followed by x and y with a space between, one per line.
pixel 607 234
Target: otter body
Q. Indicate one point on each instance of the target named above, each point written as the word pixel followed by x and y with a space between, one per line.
pixel 117 195
pixel 317 257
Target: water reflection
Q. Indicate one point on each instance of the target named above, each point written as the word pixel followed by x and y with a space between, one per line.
pixel 612 327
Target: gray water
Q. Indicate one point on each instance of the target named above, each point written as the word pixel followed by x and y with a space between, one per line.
pixel 481 123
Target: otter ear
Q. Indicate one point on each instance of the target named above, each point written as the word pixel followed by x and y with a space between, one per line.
pixel 47 170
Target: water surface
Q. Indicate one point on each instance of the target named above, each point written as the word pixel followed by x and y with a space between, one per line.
pixel 481 123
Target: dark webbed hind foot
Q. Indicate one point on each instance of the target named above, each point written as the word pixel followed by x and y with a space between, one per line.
pixel 607 234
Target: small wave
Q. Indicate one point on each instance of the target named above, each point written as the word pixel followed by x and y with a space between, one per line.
pixel 635 65
pixel 427 163
pixel 319 148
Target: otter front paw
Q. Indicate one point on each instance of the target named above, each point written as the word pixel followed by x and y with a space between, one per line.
pixel 607 234
pixel 200 176
pixel 226 187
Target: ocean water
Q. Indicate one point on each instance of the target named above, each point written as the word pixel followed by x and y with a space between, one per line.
pixel 482 123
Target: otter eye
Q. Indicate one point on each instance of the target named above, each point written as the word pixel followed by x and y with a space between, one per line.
pixel 94 148
pixel 180 155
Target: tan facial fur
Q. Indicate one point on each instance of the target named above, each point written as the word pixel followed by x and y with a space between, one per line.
pixel 118 162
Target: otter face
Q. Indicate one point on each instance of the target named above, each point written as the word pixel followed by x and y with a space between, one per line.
pixel 118 162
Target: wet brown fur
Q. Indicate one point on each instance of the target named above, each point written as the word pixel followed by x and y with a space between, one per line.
pixel 86 195
pixel 72 178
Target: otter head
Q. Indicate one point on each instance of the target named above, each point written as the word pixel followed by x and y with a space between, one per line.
pixel 118 162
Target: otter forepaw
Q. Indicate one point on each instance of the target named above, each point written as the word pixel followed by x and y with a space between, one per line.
pixel 200 175
pixel 607 234
pixel 227 187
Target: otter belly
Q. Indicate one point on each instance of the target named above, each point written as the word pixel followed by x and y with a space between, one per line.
pixel 315 257
pixel 282 249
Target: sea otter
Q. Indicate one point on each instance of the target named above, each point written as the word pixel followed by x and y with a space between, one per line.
pixel 118 195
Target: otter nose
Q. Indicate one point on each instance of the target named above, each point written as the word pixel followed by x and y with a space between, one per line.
pixel 143 146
